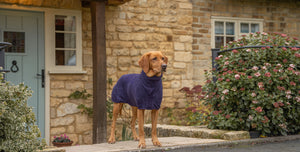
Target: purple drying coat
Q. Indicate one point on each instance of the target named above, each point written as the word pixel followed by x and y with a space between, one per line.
pixel 138 90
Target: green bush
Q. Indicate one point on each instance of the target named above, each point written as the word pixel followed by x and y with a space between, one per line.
pixel 256 88
pixel 18 132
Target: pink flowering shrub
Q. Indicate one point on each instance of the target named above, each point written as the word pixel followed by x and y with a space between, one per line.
pixel 256 88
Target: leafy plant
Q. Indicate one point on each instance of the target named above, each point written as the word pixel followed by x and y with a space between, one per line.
pixel 84 109
pixel 196 110
pixel 80 94
pixel 61 139
pixel 256 88
pixel 18 129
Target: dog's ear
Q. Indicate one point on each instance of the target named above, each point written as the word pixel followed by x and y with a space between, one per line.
pixel 166 59
pixel 144 62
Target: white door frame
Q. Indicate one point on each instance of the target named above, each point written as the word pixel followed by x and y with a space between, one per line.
pixel 47 12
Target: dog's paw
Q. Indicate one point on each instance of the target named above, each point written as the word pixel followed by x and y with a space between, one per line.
pixel 112 140
pixel 156 143
pixel 142 145
pixel 136 138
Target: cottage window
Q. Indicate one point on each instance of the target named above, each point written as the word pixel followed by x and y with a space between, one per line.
pixel 65 41
pixel 227 29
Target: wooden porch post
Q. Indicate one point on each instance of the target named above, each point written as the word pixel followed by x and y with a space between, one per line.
pixel 99 71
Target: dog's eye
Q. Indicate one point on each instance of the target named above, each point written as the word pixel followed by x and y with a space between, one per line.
pixel 154 58
pixel 163 58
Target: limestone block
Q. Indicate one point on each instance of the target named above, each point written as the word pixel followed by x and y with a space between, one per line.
pixel 111 62
pixel 185 20
pixel 62 121
pixel 134 52
pixel 87 60
pixel 186 38
pixel 175 84
pixel 52 112
pixel 67 108
pixel 236 135
pixel 57 84
pixel 74 138
pixel 71 129
pixel 179 65
pixel 58 130
pixel 178 46
pixel 126 29
pixel 59 93
pixel 124 61
pixel 74 85
pixel 140 45
pixel 88 138
pixel 111 71
pixel 167 92
pixel 83 127
pixel 55 101
pixel 168 19
pixel 132 36
pixel 124 51
pixel 120 44
pixel 183 56
pixel 185 5
pixel 187 83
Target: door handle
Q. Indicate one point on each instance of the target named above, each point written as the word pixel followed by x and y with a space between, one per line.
pixel 43 77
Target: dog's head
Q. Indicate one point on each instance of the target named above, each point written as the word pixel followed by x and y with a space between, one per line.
pixel 153 63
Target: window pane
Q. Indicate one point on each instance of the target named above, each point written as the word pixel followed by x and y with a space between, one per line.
pixel 229 28
pixel 228 39
pixel 17 39
pixel 65 40
pixel 254 28
pixel 219 41
pixel 64 23
pixel 244 28
pixel 65 57
pixel 219 27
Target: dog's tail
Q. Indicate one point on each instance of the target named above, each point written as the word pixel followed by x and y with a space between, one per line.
pixel 120 108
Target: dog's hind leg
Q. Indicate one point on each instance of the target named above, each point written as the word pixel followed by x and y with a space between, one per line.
pixel 154 117
pixel 133 120
pixel 116 111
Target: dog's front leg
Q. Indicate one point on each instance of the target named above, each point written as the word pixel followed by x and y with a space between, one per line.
pixel 142 143
pixel 116 111
pixel 154 117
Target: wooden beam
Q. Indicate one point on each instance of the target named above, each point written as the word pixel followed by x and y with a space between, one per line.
pixel 99 71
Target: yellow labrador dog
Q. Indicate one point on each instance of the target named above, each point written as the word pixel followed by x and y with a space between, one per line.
pixel 143 92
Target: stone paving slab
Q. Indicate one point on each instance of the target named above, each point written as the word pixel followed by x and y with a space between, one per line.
pixel 196 132
pixel 132 145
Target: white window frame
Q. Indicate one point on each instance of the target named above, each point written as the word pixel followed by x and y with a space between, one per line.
pixel 50 42
pixel 237 23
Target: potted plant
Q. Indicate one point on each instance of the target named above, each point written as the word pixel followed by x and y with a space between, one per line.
pixel 62 141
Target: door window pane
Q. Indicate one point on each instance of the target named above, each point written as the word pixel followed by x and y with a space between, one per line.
pixel 254 28
pixel 64 23
pixel 229 28
pixel 244 28
pixel 65 57
pixel 17 39
pixel 219 41
pixel 219 27
pixel 65 40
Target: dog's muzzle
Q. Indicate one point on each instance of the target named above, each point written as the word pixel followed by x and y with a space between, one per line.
pixel 163 67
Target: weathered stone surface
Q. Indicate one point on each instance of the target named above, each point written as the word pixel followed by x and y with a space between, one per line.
pixel 178 46
pixel 84 127
pixel 179 65
pixel 124 61
pixel 196 132
pixel 67 108
pixel 183 56
pixel 57 84
pixel 62 121
pixel 58 130
pixel 60 93
pixel 74 85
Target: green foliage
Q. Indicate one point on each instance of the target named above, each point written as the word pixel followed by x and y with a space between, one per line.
pixel 256 88
pixel 18 129
pixel 80 94
pixel 84 109
pixel 61 139
pixel 196 110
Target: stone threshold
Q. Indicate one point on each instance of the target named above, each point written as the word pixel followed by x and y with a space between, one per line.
pixel 196 132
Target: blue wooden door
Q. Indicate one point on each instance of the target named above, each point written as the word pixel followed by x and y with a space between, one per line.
pixel 25 59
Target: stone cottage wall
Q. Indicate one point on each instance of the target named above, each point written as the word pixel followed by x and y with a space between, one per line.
pixel 279 16
pixel 140 26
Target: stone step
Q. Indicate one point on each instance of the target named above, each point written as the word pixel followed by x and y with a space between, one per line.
pixel 52 149
pixel 196 132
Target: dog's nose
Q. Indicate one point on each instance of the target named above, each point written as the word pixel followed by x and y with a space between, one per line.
pixel 164 67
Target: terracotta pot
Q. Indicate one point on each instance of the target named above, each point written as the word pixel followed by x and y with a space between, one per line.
pixel 62 144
